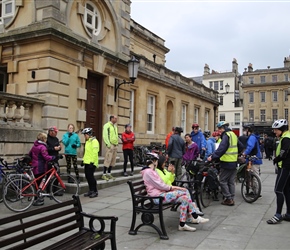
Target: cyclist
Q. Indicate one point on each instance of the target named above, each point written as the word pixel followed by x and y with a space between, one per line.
pixel 253 147
pixel 282 159
pixel 156 187
pixel 210 145
pixel 39 159
pixel 227 152
pixel 198 137
pixel 91 161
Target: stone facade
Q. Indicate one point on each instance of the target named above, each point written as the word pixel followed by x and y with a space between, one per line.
pixel 56 53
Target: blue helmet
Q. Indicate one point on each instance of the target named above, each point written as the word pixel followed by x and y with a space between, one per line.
pixel 222 124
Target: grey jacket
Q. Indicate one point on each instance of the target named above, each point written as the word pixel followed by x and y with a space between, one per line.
pixel 176 146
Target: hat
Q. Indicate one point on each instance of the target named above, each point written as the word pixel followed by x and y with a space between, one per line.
pixel 53 128
pixel 127 125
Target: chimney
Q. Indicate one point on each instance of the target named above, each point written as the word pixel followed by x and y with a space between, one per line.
pixel 287 62
pixel 206 70
pixel 235 66
pixel 250 67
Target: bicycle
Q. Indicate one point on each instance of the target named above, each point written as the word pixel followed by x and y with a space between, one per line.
pixel 251 183
pixel 20 193
pixel 12 170
pixel 140 154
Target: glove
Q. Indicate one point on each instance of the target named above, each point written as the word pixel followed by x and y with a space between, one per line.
pixel 82 164
pixel 92 165
pixel 74 146
pixel 69 135
pixel 276 160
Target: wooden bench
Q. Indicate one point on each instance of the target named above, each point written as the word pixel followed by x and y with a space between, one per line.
pixel 21 231
pixel 144 204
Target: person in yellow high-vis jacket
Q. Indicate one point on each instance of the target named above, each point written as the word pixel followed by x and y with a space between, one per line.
pixel 110 137
pixel 282 159
pixel 227 152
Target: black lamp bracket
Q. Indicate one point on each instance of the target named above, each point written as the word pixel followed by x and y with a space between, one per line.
pixel 118 84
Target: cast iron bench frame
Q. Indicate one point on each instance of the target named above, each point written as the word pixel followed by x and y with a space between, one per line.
pixel 21 231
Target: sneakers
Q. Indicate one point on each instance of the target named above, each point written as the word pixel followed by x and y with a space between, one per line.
pixel 88 193
pixel 132 173
pixel 274 220
pixel 198 212
pixel 286 217
pixel 93 195
pixel 105 177
pixel 228 202
pixel 125 174
pixel 197 220
pixel 109 176
pixel 186 228
pixel 38 202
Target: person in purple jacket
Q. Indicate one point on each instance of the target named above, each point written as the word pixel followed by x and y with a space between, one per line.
pixel 156 187
pixel 39 159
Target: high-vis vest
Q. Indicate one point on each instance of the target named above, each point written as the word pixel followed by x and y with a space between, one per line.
pixel 110 134
pixel 285 134
pixel 231 155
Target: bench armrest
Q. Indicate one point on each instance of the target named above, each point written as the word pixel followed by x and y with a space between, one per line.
pixel 101 220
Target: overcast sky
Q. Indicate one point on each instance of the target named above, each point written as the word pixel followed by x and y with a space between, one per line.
pixel 215 32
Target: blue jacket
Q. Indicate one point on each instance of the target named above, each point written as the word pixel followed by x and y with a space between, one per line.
pixel 210 146
pixel 199 139
pixel 68 141
pixel 252 143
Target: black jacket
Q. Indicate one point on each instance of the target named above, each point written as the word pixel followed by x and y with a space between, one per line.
pixel 51 143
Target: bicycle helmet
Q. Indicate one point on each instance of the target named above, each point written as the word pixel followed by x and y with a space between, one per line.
pixel 249 127
pixel 87 131
pixel 281 124
pixel 222 124
pixel 178 129
pixel 216 133
pixel 206 133
pixel 195 125
pixel 152 156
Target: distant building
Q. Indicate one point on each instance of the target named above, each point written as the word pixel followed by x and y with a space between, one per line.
pixel 266 95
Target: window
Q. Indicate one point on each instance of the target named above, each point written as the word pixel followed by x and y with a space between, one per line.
pixel 210 85
pixel 222 117
pixel 263 115
pixel 251 96
pixel 251 115
pixel 7 10
pixel 196 111
pixel 274 78
pixel 286 77
pixel 237 118
pixel 132 99
pixel 274 96
pixel 92 19
pixel 286 95
pixel 3 79
pixel 263 96
pixel 274 114
pixel 286 114
pixel 216 85
pixel 221 100
pixel 150 113
pixel 263 79
pixel 206 116
pixel 251 80
pixel 221 85
pixel 183 116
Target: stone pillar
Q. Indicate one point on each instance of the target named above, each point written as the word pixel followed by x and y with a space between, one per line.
pixel 26 116
pixel 2 111
pixel 10 114
pixel 17 113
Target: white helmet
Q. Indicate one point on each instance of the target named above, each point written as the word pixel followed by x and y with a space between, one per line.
pixel 152 156
pixel 88 131
pixel 280 123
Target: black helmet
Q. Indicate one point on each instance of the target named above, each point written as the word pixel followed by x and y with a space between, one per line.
pixel 249 127
pixel 178 129
pixel 206 133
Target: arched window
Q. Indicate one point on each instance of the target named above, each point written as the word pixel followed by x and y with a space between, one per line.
pixel 92 19
pixel 7 11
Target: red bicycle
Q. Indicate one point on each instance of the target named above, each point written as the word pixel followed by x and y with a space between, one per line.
pixel 20 192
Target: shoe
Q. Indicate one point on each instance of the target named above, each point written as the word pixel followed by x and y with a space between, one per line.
pixel 109 176
pixel 198 212
pixel 132 173
pixel 274 220
pixel 105 177
pixel 197 220
pixel 228 202
pixel 88 194
pixel 285 217
pixel 186 228
pixel 125 174
pixel 93 195
pixel 38 202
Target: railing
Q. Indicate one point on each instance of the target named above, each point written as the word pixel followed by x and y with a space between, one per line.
pixel 17 110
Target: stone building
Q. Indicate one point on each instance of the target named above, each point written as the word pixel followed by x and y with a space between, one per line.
pixel 266 95
pixel 59 61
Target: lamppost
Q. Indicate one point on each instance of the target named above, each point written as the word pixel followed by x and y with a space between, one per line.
pixel 133 67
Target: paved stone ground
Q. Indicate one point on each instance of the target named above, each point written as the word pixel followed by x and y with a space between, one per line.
pixel 242 226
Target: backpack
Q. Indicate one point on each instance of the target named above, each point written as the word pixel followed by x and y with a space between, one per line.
pixel 212 178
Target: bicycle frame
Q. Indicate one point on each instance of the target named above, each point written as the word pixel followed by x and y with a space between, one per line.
pixel 52 172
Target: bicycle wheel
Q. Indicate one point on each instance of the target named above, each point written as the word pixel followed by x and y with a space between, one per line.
pixel 251 187
pixel 205 194
pixel 60 194
pixel 1 187
pixel 14 198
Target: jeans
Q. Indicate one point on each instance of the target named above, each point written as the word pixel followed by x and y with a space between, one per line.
pixel 89 173
pixel 227 182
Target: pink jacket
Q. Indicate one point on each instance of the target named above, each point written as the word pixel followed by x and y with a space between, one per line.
pixel 154 184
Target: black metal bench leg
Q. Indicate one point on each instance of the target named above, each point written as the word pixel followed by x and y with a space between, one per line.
pixel 132 231
pixel 163 234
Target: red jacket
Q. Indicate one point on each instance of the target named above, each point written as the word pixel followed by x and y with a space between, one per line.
pixel 128 140
pixel 167 138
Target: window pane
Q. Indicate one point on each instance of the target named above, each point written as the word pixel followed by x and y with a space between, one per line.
pixel 216 85
pixel 89 19
pixel 90 7
pixel 274 78
pixel 8 8
pixel 286 114
pixel 263 94
pixel 263 79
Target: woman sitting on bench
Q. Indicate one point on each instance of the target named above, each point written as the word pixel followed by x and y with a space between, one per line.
pixel 156 187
